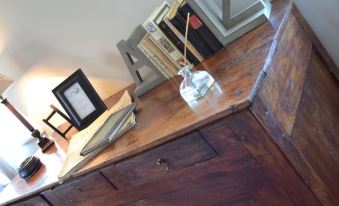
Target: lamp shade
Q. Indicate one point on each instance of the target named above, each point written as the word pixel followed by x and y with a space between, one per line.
pixel 5 83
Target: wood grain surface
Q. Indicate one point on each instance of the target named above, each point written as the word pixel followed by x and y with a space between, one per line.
pixel 79 191
pixel 285 72
pixel 249 170
pixel 297 103
pixel 286 182
pixel 183 152
pixel 163 116
pixel 35 201
pixel 316 133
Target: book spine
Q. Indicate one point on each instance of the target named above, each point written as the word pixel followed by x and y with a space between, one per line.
pixel 177 42
pixel 165 44
pixel 153 59
pixel 202 30
pixel 168 65
pixel 182 39
pixel 179 22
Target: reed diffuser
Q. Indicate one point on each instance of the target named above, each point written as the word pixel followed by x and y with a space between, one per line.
pixel 196 83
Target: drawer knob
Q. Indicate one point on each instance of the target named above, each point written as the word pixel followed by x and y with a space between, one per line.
pixel 80 189
pixel 162 164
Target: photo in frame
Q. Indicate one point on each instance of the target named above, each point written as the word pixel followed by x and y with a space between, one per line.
pixel 79 99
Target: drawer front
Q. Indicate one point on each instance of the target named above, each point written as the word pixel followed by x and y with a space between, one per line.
pixel 35 201
pixel 175 155
pixel 80 190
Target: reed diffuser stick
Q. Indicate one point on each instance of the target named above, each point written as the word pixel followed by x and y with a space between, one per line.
pixel 185 43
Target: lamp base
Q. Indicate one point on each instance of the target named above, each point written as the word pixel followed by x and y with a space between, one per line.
pixel 44 142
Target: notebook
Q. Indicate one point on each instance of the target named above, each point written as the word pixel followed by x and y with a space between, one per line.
pixel 74 160
pixel 107 133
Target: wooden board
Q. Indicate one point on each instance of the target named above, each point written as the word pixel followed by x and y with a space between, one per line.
pixel 287 104
pixel 280 173
pixel 249 169
pixel 290 53
pixel 316 132
pixel 35 201
pixel 79 191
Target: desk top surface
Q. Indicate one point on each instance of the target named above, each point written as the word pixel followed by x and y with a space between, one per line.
pixel 163 114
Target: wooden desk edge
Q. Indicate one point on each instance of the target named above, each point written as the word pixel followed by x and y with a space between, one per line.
pixel 241 106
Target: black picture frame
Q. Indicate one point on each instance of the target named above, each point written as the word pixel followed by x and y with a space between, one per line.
pixel 79 99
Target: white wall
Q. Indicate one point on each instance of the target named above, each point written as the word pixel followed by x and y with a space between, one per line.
pixel 323 17
pixel 44 41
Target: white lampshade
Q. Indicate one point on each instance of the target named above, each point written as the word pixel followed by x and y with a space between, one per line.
pixel 5 83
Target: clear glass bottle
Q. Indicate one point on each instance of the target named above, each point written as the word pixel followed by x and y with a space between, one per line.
pixel 195 84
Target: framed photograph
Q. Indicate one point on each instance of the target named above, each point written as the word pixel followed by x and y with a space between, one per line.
pixel 79 99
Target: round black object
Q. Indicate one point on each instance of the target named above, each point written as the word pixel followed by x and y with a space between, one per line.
pixel 29 167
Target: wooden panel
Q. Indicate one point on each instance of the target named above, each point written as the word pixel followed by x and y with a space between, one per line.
pixel 277 106
pixel 223 140
pixel 79 191
pixel 284 180
pixel 316 132
pixel 230 189
pixel 210 182
pixel 250 170
pixel 231 178
pixel 177 154
pixel 35 201
pixel 290 55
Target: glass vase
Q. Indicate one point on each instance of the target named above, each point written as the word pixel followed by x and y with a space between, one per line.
pixel 195 84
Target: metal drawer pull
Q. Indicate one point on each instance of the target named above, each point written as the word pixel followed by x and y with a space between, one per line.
pixel 80 189
pixel 162 163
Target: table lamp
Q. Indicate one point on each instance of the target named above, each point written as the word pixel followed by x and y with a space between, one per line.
pixel 43 142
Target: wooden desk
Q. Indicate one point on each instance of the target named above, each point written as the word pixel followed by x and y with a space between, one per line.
pixel 249 141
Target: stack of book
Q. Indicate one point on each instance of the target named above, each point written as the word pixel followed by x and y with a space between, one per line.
pixel 164 42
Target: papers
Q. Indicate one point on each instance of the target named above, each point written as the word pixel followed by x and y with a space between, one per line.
pixel 79 100
pixel 74 161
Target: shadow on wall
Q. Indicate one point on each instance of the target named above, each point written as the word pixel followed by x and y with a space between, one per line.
pixel 106 65
pixel 44 68
pixel 47 40
pixel 323 17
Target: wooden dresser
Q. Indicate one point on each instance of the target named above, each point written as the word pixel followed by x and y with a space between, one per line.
pixel 267 133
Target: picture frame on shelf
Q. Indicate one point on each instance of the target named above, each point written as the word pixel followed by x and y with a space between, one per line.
pixel 79 99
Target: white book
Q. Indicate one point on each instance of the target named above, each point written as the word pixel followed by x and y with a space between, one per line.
pixel 151 26
pixel 154 59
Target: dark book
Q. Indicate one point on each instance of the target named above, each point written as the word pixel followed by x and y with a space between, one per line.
pixel 177 42
pixel 199 26
pixel 180 23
